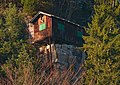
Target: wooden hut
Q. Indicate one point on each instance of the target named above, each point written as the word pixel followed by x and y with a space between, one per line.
pixel 44 26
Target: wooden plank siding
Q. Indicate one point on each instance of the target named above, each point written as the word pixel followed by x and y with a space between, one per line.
pixel 68 35
pixel 61 31
pixel 42 35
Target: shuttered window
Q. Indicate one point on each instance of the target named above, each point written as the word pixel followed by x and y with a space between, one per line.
pixel 42 26
pixel 61 27
pixel 79 34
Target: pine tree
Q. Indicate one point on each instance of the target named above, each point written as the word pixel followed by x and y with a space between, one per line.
pixel 103 46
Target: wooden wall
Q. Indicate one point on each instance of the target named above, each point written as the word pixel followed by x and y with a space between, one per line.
pixel 59 30
pixel 66 33
pixel 39 34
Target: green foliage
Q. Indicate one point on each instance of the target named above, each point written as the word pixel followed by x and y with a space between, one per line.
pixel 12 33
pixel 28 5
pixel 31 6
pixel 15 53
pixel 103 46
pixel 20 70
pixel 14 26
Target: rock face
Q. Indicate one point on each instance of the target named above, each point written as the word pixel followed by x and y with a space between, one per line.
pixel 65 54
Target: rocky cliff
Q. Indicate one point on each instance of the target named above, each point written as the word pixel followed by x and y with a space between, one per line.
pixel 64 54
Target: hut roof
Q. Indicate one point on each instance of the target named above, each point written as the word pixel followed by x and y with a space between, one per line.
pixel 36 17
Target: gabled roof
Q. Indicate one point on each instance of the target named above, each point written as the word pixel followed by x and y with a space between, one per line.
pixel 36 17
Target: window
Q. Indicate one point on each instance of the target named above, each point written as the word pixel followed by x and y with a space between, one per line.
pixel 42 26
pixel 79 34
pixel 61 27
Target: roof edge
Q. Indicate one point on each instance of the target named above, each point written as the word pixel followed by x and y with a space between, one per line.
pixel 40 12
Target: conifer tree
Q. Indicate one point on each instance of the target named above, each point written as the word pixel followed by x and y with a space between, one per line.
pixel 103 45
pixel 14 50
pixel 31 6
pixel 12 33
pixel 28 5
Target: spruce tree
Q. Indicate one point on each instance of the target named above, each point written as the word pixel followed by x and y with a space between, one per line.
pixel 103 45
